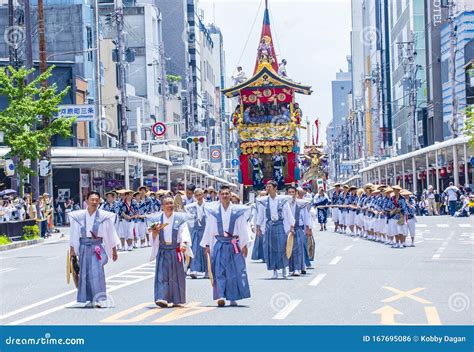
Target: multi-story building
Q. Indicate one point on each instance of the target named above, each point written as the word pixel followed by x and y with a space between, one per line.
pixel 462 34
pixel 338 134
pixel 71 42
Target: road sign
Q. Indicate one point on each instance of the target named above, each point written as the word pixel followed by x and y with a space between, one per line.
pixel 216 153
pixel 235 162
pixel 472 160
pixel 158 129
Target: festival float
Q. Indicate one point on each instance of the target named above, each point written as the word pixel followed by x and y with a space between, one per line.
pixel 267 119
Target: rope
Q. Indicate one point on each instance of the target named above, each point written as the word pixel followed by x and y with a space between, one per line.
pixel 277 41
pixel 251 30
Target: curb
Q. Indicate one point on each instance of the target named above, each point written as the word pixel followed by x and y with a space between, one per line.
pixel 20 244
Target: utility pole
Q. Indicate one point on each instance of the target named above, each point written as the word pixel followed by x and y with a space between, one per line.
pixel 452 59
pixel 121 69
pixel 34 179
pixel 43 66
pixel 11 22
pixel 411 83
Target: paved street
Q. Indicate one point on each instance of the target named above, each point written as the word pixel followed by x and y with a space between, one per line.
pixel 354 282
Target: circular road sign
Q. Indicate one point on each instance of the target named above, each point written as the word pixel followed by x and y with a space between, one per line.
pixel 216 154
pixel 158 129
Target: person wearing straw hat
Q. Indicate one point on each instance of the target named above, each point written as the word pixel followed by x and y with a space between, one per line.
pixel 343 210
pixel 300 211
pixel 234 198
pixel 395 209
pixel 334 210
pixel 126 219
pixel 364 210
pixel 352 207
pixel 410 215
pixel 197 211
pixel 225 240
pixel 371 213
pixel 140 209
pixel 321 201
pixel 170 244
pixel 380 222
pixel 359 217
pixel 276 222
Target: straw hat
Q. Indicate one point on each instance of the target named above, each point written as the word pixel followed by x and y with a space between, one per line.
pixel 405 192
pixel 388 190
pixel 396 188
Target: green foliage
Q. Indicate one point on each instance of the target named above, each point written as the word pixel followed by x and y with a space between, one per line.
pixel 4 239
pixel 173 79
pixel 31 232
pixel 469 126
pixel 28 104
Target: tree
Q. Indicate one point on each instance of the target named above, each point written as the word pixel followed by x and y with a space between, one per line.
pixel 21 120
pixel 469 126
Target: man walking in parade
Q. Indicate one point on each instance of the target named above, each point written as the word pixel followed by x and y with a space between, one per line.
pixel 276 222
pixel 170 243
pixel 225 238
pixel 94 240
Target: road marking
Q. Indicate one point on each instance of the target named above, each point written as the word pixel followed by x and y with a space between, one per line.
pixel 436 256
pixel 36 304
pixel 335 261
pixel 387 315
pixel 317 280
pixel 116 318
pixel 465 225
pixel 282 314
pixel 356 239
pixel 432 316
pixel 408 294
pixel 348 247
pixel 52 310
pixel 6 270
pixel 186 311
pixel 132 276
pixel 442 225
pixel 421 225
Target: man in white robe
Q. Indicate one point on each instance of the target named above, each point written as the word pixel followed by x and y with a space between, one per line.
pixel 94 239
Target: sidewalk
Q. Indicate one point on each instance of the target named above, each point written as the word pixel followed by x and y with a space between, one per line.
pixel 19 244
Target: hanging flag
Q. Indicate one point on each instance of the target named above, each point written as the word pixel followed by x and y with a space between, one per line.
pixel 316 122
pixel 266 47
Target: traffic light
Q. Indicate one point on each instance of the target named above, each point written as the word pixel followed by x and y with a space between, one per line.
pixel 196 139
pixel 44 167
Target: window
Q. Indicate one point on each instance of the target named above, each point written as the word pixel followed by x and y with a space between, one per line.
pixel 444 71
pixel 89 43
